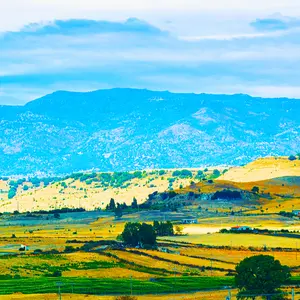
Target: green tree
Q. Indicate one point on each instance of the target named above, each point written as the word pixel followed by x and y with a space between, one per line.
pixel 292 157
pixel 200 173
pixel 255 189
pixel 130 234
pixel 216 173
pixel 112 204
pixel 135 234
pixel 163 229
pixel 134 203
pixel 147 235
pixel 118 212
pixel 56 215
pixel 12 192
pixel 260 274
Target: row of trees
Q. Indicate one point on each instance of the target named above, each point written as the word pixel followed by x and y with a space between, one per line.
pixel 144 235
pixel 139 234
pixel 118 208
pixel 163 228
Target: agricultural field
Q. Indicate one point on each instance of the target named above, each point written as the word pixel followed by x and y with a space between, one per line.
pixel 72 235
pixel 211 295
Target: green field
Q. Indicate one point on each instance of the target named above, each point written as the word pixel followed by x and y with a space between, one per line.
pixel 117 286
pixel 113 286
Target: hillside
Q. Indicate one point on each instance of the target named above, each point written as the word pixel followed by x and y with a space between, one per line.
pixel 262 169
pixel 90 190
pixel 128 129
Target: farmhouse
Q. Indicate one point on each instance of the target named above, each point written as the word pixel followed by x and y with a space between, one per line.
pixel 241 228
pixel 23 248
pixel 189 221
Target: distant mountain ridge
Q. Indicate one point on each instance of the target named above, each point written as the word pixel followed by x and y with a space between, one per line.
pixel 127 129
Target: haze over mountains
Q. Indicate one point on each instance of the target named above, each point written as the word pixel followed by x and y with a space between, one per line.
pixel 127 129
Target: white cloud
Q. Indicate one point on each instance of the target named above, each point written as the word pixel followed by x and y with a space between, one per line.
pixel 200 54
pixel 15 13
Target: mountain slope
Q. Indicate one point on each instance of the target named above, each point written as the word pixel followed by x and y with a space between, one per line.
pixel 262 169
pixel 126 129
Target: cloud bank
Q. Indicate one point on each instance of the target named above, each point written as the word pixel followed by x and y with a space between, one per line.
pixel 83 54
pixel 276 23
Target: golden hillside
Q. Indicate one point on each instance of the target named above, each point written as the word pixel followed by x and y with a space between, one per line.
pixel 263 169
pixel 74 193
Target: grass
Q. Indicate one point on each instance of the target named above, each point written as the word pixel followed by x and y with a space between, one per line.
pixel 117 286
pixel 113 286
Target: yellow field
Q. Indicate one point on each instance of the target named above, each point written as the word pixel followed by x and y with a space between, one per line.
pixel 291 259
pixel 262 169
pixel 152 262
pixel 238 240
pixel 188 260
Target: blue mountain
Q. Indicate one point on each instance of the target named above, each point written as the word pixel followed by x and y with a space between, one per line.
pixel 127 129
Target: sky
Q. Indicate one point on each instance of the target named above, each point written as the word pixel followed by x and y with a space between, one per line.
pixel 217 46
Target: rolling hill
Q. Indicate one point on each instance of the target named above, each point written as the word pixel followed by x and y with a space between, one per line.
pixel 92 190
pixel 262 169
pixel 88 190
pixel 129 129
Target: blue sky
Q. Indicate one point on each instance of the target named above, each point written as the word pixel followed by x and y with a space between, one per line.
pixel 181 46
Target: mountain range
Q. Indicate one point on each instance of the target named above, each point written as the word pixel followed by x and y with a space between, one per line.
pixel 128 129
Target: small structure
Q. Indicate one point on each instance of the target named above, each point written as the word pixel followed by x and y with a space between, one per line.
pixel 296 212
pixel 189 221
pixel 166 250
pixel 23 248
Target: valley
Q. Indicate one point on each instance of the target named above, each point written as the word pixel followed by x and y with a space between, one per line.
pixel 72 228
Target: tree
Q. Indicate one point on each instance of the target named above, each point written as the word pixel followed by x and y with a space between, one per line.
pixel 147 235
pixel 216 173
pixel 130 234
pixel 163 229
pixel 260 274
pixel 112 204
pixel 135 234
pixel 56 273
pixel 255 189
pixel 134 204
pixel 56 215
pixel 118 212
pixel 292 157
pixel 178 230
pixel 12 192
